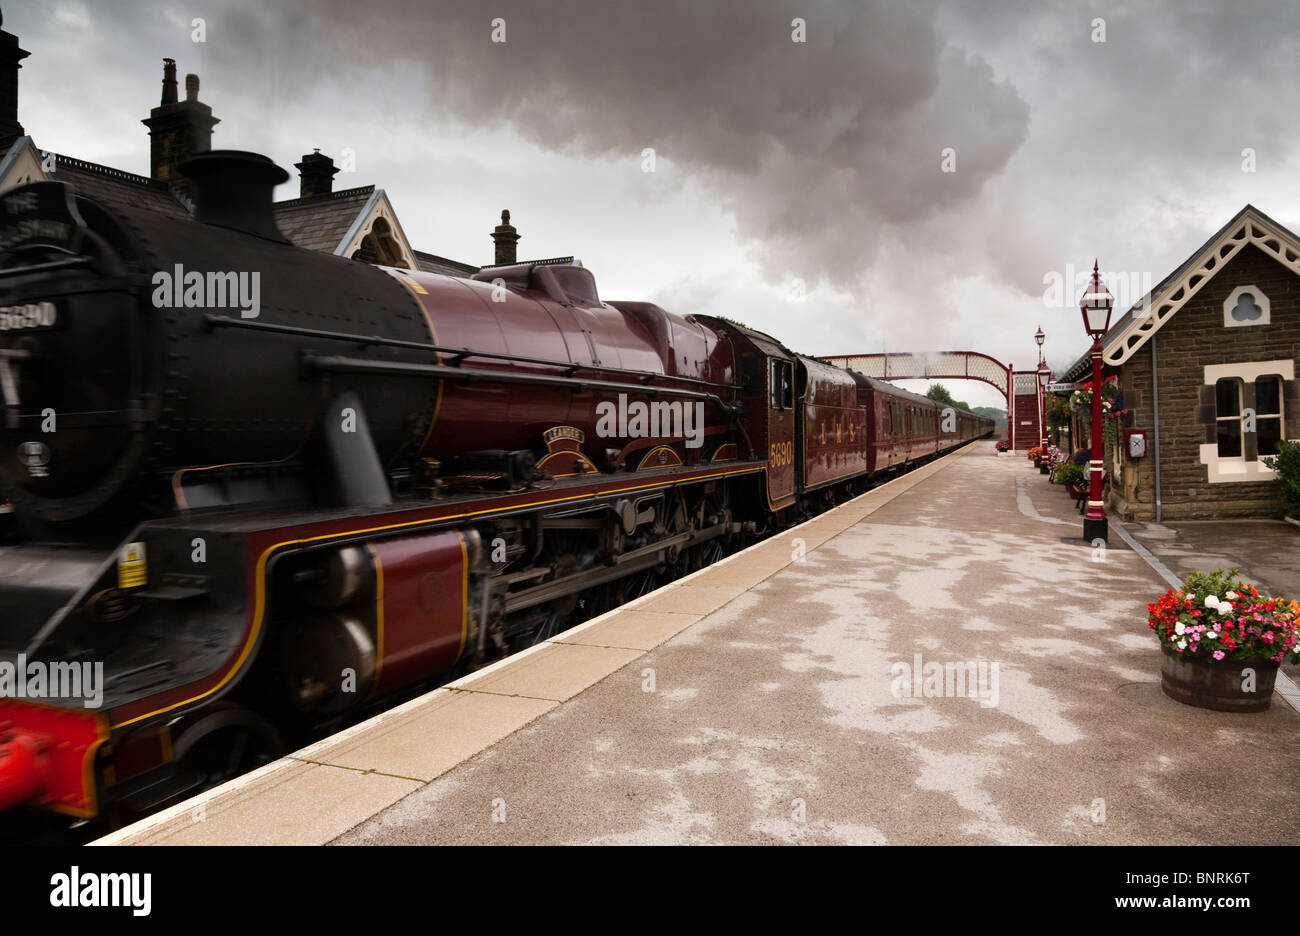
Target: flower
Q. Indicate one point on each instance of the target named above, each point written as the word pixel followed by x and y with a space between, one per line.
pixel 1217 616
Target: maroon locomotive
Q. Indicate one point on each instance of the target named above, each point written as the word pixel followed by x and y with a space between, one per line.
pixel 261 491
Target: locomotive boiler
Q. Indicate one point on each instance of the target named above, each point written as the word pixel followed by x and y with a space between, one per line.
pixel 264 491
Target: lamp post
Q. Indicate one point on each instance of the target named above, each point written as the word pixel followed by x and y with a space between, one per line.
pixel 1096 305
pixel 1042 402
pixel 1044 378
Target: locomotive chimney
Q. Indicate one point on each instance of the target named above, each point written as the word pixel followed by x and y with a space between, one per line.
pixel 317 174
pixel 232 189
pixel 506 237
pixel 10 56
pixel 178 129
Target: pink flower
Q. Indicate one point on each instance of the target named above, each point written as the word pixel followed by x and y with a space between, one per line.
pixel 1218 654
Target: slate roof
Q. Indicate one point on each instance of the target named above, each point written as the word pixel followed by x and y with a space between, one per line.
pixel 1082 367
pixel 319 222
pixel 117 188
pixel 432 263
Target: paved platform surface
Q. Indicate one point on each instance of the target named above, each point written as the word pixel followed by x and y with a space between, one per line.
pixel 761 700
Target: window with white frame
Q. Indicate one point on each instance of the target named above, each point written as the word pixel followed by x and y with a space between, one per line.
pixel 1227 416
pixel 1268 414
pixel 1248 418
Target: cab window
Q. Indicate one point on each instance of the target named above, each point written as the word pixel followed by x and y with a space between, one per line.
pixel 782 384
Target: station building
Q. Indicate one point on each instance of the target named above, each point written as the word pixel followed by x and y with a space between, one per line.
pixel 1206 367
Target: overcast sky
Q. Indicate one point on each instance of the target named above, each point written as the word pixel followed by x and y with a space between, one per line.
pixel 776 162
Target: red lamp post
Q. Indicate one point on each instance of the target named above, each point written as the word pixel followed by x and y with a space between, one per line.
pixel 1043 464
pixel 1096 305
pixel 1044 378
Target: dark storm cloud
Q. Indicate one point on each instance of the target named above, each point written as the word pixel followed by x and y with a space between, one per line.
pixel 823 157
pixel 817 148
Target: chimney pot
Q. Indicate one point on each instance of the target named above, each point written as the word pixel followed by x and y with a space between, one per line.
pixel 317 173
pixel 169 81
pixel 10 58
pixel 506 237
pixel 178 129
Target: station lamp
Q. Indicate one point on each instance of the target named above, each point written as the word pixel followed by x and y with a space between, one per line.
pixel 1095 306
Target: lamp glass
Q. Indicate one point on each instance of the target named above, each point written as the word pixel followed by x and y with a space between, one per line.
pixel 1096 314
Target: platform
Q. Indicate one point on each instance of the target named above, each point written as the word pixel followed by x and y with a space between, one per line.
pixel 761 700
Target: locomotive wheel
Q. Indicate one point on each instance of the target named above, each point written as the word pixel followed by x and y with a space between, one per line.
pixel 554 624
pixel 711 552
pixel 224 743
pixel 634 586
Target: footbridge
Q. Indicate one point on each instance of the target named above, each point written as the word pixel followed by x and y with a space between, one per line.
pixel 1020 388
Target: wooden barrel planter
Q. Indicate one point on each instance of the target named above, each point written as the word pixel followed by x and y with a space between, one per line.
pixel 1216 684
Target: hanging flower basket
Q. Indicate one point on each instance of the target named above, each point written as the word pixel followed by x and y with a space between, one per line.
pixel 1112 401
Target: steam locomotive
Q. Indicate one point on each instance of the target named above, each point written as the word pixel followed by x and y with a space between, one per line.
pixel 256 491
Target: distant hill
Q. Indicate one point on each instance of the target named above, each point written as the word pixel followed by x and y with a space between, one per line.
pixel 939 393
pixel 998 416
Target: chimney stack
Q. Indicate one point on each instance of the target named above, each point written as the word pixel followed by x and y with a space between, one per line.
pixel 10 56
pixel 506 237
pixel 169 81
pixel 178 129
pixel 317 174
